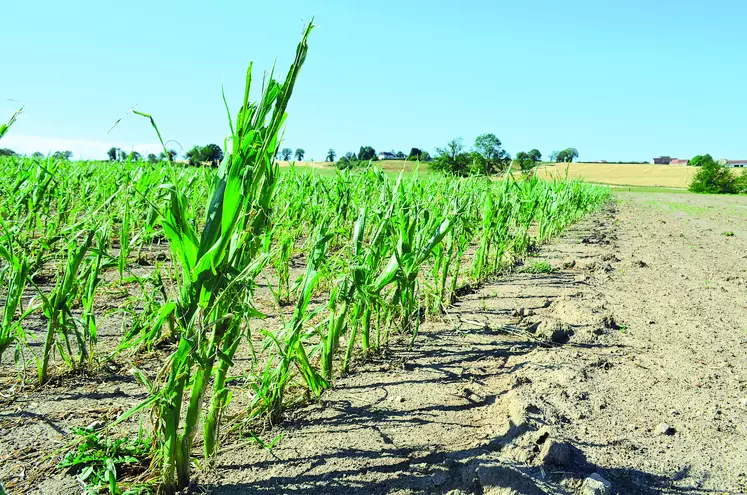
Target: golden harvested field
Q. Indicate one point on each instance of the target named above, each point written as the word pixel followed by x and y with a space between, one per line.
pixel 672 176
pixel 623 175
pixel 392 166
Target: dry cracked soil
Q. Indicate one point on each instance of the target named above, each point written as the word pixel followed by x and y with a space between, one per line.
pixel 618 352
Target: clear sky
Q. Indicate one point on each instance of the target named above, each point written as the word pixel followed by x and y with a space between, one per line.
pixel 618 80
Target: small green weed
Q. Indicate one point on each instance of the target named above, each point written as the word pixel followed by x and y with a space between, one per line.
pixel 728 233
pixel 98 460
pixel 538 266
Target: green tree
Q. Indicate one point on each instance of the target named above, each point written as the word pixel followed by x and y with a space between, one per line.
pixel 366 153
pixel 741 182
pixel 286 154
pixel 415 154
pixel 453 159
pixel 168 155
pixel 535 155
pixel 152 158
pixel 478 164
pixel 495 157
pixel 210 153
pixel 700 160
pixel 300 154
pixel 567 155
pixel 62 155
pixel 38 155
pixel 331 155
pixel 713 178
pixel 113 154
pixel 7 152
pixel 524 161
pixel 134 156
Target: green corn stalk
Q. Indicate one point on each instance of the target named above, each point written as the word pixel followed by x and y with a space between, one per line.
pixel 18 266
pixel 124 241
pixel 56 307
pixel 230 241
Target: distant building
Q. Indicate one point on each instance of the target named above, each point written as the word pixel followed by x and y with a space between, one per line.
pixel 385 155
pixel 679 161
pixel 735 163
pixel 662 160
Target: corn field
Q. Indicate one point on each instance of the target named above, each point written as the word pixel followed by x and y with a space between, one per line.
pixel 301 276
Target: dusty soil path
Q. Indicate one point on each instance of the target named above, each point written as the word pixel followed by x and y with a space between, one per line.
pixel 628 360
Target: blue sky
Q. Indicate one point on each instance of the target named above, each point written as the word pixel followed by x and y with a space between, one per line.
pixel 618 80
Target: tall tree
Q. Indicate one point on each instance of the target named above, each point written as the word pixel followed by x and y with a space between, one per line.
pixel 286 154
pixel 452 158
pixel 62 155
pixel 300 154
pixel 7 152
pixel 113 154
pixel 527 160
pixel 38 155
pixel 535 155
pixel 152 158
pixel 134 156
pixel 700 160
pixel 168 155
pixel 210 153
pixel 567 155
pixel 415 154
pixel 366 153
pixel 489 147
pixel 331 155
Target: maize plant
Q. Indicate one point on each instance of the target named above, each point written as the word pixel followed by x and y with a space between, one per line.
pixel 216 267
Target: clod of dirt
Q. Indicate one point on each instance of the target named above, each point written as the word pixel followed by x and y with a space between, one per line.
pixel 610 257
pixel 555 454
pixel 569 263
pixel 522 312
pixel 664 429
pixel 594 266
pixel 596 485
pixel 608 321
pixel 500 480
pixel 554 331
pixel 397 399
pixel 641 264
pixel 440 477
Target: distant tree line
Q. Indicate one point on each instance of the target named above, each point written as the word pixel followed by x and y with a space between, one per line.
pixel 118 155
pixel 486 157
pixel 367 154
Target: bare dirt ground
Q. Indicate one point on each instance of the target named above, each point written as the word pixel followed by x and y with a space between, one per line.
pixel 626 360
pixel 648 392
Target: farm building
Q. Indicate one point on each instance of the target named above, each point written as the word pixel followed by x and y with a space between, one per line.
pixel 385 155
pixel 735 163
pixel 679 161
pixel 661 160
